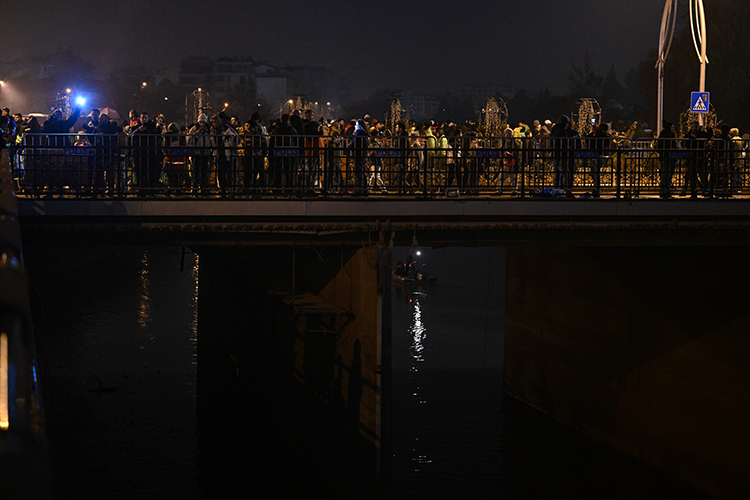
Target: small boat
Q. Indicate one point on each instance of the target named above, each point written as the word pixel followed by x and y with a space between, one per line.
pixel 412 277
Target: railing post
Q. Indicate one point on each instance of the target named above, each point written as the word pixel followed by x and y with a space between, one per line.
pixel 618 172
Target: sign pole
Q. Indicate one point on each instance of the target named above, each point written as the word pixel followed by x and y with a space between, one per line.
pixel 698 24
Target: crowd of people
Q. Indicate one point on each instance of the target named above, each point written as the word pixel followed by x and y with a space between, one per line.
pixel 297 152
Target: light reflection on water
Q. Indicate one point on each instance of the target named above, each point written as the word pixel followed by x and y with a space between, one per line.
pixel 144 303
pixel 418 349
pixel 194 325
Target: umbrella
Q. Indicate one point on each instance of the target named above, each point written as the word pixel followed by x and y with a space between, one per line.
pixel 113 115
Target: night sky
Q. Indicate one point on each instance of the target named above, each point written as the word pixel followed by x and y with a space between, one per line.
pixel 425 46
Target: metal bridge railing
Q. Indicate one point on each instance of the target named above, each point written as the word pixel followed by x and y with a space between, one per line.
pixel 83 165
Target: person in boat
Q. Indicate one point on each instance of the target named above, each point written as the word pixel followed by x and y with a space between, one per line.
pixel 400 269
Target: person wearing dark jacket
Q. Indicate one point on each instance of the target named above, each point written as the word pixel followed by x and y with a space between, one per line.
pixel 665 145
pixel 563 146
pixel 56 125
pixel 283 160
pixel 359 145
pixel 109 153
pixel 145 147
pixel 695 142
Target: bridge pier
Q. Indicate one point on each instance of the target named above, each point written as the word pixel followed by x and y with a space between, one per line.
pixel 641 347
pixel 293 341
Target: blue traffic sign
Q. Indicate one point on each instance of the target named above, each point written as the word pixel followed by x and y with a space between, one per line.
pixel 699 102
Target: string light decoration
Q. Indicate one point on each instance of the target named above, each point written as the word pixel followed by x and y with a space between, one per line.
pixel 589 114
pixel 495 117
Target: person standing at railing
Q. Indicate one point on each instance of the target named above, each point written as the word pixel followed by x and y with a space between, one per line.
pixel 145 146
pixel 453 156
pixel 311 129
pixel 417 159
pixel 333 177
pixel 695 142
pixel 601 144
pixel 101 128
pixel 9 132
pixel 199 139
pixel 227 142
pixel 284 157
pixel 736 160
pixel 175 160
pixel 400 142
pixel 55 124
pixel 377 147
pixel 665 145
pixel 53 163
pixel 563 145
pixel 430 145
pixel 256 150
pixel 359 145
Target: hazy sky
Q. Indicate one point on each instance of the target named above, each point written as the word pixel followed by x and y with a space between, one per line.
pixel 378 45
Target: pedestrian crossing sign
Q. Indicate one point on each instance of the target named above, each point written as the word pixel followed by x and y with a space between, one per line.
pixel 699 102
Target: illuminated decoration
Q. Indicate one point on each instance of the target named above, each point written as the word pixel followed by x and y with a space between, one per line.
pixel 495 118
pixel 589 114
pixel 698 30
pixel 4 392
pixel 197 103
pixel 397 113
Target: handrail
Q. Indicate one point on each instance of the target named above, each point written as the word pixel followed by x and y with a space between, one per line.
pixel 259 166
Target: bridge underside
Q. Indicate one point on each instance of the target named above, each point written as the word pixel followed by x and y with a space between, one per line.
pixel 433 223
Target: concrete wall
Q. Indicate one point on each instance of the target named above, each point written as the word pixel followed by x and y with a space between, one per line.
pixel 291 336
pixel 643 348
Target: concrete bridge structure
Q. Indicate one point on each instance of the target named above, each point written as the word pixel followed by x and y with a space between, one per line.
pixel 625 319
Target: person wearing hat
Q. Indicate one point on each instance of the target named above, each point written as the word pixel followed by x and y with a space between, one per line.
pixel 666 143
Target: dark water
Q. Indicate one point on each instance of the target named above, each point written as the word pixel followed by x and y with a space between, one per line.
pixel 119 354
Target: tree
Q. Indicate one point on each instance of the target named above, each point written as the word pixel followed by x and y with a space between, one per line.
pixel 584 82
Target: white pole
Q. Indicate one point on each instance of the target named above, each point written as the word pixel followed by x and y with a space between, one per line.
pixel 704 43
pixel 665 41
pixel 698 24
